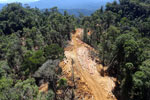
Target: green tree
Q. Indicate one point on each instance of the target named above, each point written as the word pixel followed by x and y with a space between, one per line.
pixel 32 61
pixel 53 51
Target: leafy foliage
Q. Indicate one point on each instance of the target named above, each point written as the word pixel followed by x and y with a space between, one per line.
pixel 53 51
pixel 120 33
pixel 32 42
pixel 28 38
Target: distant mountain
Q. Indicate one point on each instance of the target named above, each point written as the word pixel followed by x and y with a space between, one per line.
pixel 2 5
pixel 70 4
pixel 73 7
pixel 76 12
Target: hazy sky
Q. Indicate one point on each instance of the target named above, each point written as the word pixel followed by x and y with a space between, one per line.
pixel 22 1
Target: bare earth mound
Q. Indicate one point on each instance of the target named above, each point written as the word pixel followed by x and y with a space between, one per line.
pixel 90 85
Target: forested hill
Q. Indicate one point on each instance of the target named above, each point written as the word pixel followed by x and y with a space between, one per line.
pixel 32 44
pixel 77 12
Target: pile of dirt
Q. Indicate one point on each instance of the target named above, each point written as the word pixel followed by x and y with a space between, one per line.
pixel 90 85
pixel 86 61
pixel 43 88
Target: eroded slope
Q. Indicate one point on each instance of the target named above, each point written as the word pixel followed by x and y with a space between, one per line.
pixel 90 85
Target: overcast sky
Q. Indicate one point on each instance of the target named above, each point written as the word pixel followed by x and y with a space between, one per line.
pixel 22 1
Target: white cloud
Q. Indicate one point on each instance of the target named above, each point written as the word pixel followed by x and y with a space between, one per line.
pixel 22 1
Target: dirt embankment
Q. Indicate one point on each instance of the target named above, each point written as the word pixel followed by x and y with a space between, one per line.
pixel 90 85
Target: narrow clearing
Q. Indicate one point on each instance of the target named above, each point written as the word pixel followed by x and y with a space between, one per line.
pixel 90 85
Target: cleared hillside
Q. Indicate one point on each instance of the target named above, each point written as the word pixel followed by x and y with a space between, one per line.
pixel 90 84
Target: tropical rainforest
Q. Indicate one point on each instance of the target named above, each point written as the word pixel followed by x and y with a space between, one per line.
pixel 32 44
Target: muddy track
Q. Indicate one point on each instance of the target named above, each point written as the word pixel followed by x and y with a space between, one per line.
pixel 94 86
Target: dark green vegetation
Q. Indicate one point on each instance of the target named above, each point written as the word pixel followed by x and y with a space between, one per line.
pixel 31 46
pixel 121 34
pixel 32 42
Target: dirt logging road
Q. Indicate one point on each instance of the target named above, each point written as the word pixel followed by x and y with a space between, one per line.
pixel 90 84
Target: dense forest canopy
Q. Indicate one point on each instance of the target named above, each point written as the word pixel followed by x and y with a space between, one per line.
pixel 121 34
pixel 32 43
